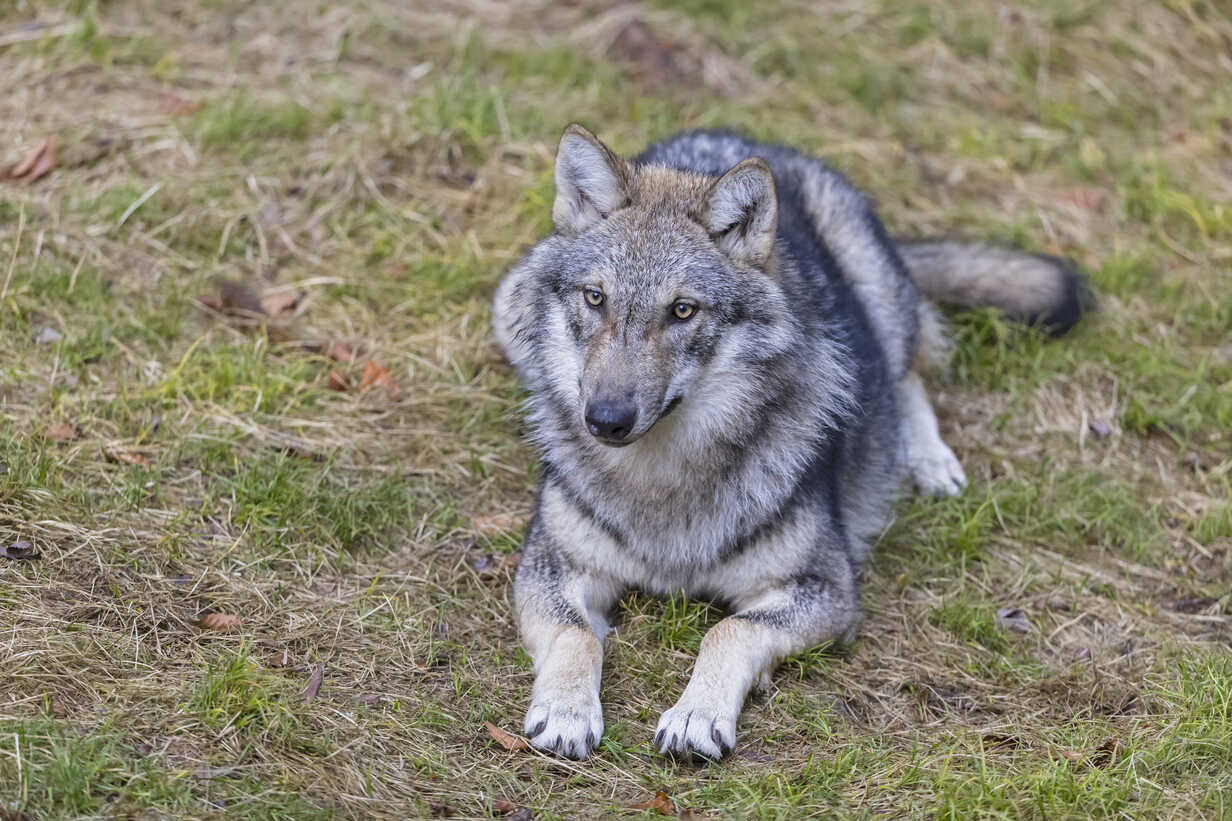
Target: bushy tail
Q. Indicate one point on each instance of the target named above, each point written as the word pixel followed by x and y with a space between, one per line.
pixel 1034 288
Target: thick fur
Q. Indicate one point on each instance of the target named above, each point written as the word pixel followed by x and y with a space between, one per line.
pixel 768 431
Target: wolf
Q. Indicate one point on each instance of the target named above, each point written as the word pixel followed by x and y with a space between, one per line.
pixel 722 351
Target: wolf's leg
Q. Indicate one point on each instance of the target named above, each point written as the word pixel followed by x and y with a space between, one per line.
pixel 561 614
pixel 743 648
pixel 934 467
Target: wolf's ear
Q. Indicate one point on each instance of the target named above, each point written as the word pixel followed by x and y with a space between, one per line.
pixel 590 181
pixel 741 212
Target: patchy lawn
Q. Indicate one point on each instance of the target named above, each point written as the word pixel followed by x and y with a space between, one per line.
pixel 245 372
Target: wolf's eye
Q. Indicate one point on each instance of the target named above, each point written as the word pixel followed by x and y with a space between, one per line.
pixel 683 310
pixel 594 297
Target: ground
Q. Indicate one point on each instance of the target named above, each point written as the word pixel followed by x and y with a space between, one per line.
pixel 341 468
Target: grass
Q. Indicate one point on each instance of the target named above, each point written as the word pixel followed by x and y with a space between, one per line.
pixel 388 162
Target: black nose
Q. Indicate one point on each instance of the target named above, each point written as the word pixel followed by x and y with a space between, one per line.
pixel 610 418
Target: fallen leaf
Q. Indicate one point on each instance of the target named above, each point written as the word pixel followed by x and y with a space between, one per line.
pixel 314 682
pixel 61 433
pixel 690 815
pixel 22 550
pixel 338 381
pixel 994 741
pixel 233 298
pixel 503 806
pixel 339 353
pixel 493 524
pixel 1078 654
pixel 1073 755
pixel 660 804
pixel 1085 197
pixel 1098 428
pixel 1106 752
pixel 37 163
pixel 222 622
pixel 239 298
pixel 370 699
pixel 505 740
pixel 1011 618
pixel 276 303
pixel 1058 602
pixel 376 376
pixel 128 456
pixel 176 105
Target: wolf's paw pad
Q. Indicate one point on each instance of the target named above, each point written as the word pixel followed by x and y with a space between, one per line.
pixel 938 472
pixel 569 726
pixel 695 733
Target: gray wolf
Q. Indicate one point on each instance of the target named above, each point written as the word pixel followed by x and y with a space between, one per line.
pixel 722 350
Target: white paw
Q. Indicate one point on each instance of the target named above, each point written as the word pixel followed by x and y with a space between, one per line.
pixel 936 470
pixel 696 731
pixel 567 723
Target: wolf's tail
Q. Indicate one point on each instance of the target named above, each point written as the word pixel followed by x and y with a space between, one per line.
pixel 1034 288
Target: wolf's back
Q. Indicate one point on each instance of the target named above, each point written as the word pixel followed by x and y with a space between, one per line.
pixel 1034 288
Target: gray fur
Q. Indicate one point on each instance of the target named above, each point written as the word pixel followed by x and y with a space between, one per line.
pixel 773 423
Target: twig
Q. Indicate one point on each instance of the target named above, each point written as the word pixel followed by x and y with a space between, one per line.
pixel 21 223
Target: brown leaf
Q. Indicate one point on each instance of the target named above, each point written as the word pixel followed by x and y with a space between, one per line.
pixel 61 433
pixel 22 550
pixel 338 381
pixel 129 456
pixel 660 804
pixel 690 815
pixel 222 622
pixel 505 740
pixel 314 682
pixel 377 376
pixel 1105 753
pixel 176 105
pixel 1085 197
pixel 238 298
pixel 211 301
pixel 493 524
pixel 994 741
pixel 503 806
pixel 277 303
pixel 37 163
pixel 339 353
pixel 1073 755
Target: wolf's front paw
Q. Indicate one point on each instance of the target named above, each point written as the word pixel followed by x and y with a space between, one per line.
pixel 568 724
pixel 696 732
pixel 936 470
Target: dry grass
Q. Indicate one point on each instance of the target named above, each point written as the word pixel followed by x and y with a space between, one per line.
pixel 169 461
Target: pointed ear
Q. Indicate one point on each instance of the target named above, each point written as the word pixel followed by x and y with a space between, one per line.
pixel 590 181
pixel 741 212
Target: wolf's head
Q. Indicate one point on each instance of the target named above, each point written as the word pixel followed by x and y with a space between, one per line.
pixel 659 279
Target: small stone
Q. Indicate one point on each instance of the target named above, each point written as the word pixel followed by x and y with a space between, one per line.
pixel 47 335
pixel 1099 428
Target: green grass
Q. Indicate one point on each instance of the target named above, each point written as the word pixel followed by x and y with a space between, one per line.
pixel 389 163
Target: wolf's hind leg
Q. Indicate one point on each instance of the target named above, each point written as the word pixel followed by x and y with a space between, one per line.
pixel 744 647
pixel 561 616
pixel 933 466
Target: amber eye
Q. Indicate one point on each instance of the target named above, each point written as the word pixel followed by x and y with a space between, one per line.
pixel 683 310
pixel 594 297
